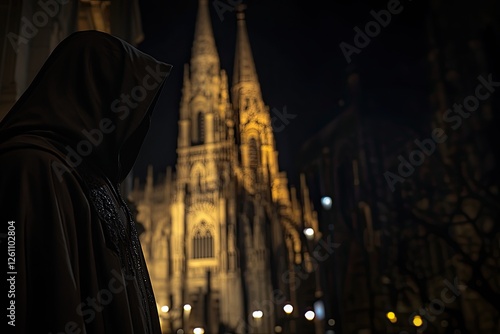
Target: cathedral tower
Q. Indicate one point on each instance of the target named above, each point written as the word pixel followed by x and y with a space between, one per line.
pixel 222 228
pixel 205 267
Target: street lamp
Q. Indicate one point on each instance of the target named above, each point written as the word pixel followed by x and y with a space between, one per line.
pixel 309 233
pixel 326 202
pixel 257 315
pixel 187 311
pixel 288 308
pixel 392 317
pixel 417 321
pixel 198 330
pixel 164 317
pixel 309 315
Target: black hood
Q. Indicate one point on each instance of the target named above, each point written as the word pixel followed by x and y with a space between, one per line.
pixel 92 100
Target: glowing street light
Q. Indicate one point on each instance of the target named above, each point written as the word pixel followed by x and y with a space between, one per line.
pixel 417 321
pixel 288 308
pixel 309 232
pixel 198 330
pixel 165 318
pixel 257 314
pixel 392 317
pixel 187 312
pixel 309 315
pixel 326 202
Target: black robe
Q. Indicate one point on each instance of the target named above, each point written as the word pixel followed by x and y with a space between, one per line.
pixel 65 146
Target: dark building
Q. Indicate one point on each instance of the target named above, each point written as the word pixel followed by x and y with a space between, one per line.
pixel 32 29
pixel 415 205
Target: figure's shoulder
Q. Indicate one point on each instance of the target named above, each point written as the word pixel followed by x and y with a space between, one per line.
pixel 33 162
pixel 21 156
pixel 25 158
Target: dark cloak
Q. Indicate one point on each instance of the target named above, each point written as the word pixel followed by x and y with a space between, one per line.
pixel 65 146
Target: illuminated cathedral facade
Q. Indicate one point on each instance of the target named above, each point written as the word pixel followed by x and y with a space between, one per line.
pixel 222 233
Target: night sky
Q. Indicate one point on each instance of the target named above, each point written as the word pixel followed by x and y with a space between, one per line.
pixel 299 62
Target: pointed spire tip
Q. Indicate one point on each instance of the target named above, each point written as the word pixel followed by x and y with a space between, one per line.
pixel 240 11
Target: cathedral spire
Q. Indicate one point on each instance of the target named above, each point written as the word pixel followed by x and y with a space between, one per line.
pixel 204 48
pixel 186 94
pixel 244 67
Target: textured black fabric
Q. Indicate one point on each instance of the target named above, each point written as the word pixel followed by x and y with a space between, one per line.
pixel 65 146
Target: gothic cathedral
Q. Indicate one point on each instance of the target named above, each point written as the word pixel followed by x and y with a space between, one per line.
pixel 223 233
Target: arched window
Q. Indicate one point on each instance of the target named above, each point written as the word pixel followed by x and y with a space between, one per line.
pixel 203 245
pixel 251 215
pixel 253 153
pixel 201 127
pixel 198 179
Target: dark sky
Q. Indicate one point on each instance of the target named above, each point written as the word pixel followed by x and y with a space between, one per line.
pixel 299 63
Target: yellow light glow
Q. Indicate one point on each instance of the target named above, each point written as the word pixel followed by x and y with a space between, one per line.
pixel 187 307
pixel 417 321
pixel 165 308
pixel 391 315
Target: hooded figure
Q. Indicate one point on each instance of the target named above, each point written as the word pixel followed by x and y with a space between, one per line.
pixel 65 146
